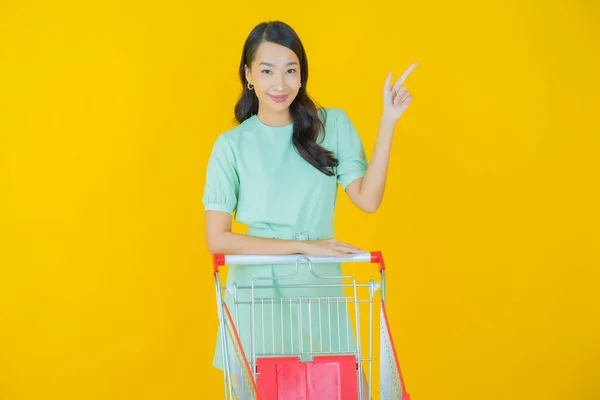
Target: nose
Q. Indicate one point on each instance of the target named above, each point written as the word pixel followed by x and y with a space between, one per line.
pixel 280 82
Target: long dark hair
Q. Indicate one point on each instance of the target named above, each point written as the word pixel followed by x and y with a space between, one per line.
pixel 306 122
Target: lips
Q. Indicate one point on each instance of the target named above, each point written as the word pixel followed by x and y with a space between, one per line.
pixel 279 99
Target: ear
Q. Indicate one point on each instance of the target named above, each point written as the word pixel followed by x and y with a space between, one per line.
pixel 248 73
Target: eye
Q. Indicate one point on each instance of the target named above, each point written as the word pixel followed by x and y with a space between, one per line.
pixel 266 71
pixel 291 71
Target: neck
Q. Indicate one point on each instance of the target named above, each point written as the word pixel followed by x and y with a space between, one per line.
pixel 275 119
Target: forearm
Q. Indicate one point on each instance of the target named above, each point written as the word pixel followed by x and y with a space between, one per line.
pixel 234 243
pixel 373 183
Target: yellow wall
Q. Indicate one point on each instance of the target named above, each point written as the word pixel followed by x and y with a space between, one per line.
pixel 490 221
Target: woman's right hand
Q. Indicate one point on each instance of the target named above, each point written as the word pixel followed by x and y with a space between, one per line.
pixel 330 248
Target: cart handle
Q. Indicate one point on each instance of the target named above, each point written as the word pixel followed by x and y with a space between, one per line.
pixel 374 257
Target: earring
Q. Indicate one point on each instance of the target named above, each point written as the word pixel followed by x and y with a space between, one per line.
pixel 250 87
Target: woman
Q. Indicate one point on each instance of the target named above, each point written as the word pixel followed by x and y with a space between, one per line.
pixel 278 171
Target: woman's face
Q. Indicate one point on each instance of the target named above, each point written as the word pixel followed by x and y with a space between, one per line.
pixel 275 74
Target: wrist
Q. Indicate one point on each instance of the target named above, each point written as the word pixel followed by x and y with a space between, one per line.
pixel 388 121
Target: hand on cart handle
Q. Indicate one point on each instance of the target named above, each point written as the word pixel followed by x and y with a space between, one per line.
pixel 374 257
pixel 329 248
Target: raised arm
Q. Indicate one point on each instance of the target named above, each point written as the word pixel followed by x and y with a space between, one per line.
pixel 367 192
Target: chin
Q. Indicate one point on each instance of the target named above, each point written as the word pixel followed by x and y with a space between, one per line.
pixel 280 107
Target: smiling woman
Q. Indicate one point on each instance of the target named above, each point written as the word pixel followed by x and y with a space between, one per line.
pixel 278 172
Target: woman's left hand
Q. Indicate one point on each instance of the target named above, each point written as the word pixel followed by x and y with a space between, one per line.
pixel 396 99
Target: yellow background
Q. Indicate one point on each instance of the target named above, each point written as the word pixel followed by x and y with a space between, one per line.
pixel 108 112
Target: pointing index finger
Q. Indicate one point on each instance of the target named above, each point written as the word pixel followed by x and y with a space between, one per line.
pixel 405 75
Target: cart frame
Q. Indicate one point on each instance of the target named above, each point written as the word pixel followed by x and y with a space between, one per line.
pixel 241 373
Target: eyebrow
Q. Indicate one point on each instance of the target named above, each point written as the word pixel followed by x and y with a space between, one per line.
pixel 272 65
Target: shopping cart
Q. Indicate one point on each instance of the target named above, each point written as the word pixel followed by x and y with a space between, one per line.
pixel 304 347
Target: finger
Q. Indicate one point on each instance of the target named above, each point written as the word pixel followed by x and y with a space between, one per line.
pixel 337 253
pixel 388 81
pixel 400 92
pixel 356 251
pixel 404 97
pixel 349 249
pixel 405 75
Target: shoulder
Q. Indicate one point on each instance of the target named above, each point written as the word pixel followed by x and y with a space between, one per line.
pixel 234 134
pixel 336 120
pixel 231 137
pixel 332 115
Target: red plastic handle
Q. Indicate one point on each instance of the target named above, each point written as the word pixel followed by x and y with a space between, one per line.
pixel 218 261
pixel 377 258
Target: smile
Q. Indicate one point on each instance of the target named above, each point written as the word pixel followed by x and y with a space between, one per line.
pixel 279 99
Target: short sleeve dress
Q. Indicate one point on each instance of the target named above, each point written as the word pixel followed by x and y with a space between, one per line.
pixel 255 173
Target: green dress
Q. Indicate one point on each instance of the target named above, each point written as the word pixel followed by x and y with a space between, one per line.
pixel 255 171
